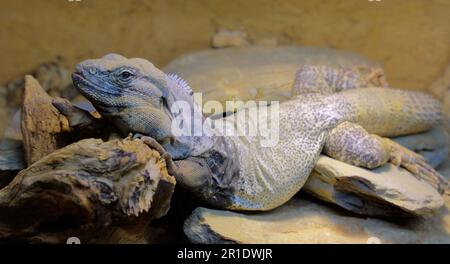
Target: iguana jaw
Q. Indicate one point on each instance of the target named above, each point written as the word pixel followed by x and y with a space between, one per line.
pixel 93 92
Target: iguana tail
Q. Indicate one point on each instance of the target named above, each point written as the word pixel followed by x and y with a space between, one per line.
pixel 391 112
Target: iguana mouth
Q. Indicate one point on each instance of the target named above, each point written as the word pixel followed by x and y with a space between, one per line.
pixel 82 83
pixel 86 86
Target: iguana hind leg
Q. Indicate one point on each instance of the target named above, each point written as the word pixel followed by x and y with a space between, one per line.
pixel 352 144
pixel 327 79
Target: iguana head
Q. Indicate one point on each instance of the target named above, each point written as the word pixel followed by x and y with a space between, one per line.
pixel 115 81
pixel 137 97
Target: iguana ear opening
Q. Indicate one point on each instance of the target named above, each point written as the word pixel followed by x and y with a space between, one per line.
pixel 168 99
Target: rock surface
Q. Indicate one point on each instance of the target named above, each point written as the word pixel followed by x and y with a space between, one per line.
pixel 84 188
pixel 387 190
pixel 226 38
pixel 306 222
pixel 254 72
pixel 11 160
pixel 441 89
pixel 433 145
pixel 444 169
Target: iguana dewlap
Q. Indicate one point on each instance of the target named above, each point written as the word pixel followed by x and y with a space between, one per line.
pixel 237 172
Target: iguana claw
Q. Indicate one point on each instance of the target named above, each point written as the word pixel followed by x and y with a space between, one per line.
pixel 417 165
pixel 152 143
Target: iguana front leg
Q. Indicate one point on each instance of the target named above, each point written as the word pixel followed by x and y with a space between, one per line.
pixel 77 117
pixel 352 144
pixel 152 143
pixel 193 174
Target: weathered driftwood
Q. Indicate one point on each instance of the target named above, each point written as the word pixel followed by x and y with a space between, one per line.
pixel 45 125
pixel 54 78
pixel 42 124
pixel 84 188
pixel 48 124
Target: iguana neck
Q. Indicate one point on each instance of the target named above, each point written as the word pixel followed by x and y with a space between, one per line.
pixel 188 122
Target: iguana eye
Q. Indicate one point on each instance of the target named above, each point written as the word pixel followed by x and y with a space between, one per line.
pixel 125 75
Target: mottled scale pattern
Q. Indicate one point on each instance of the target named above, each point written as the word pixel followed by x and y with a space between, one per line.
pixel 352 144
pixel 270 176
pixel 328 79
pixel 392 112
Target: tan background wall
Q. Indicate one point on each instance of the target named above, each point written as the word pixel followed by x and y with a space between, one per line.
pixel 411 37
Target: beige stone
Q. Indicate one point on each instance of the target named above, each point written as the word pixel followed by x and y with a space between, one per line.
pixel 267 42
pixel 441 85
pixel 255 72
pixel 388 190
pixel 226 38
pixel 305 222
pixel 441 89
pixel 433 145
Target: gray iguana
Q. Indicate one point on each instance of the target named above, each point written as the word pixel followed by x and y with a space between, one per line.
pixel 236 172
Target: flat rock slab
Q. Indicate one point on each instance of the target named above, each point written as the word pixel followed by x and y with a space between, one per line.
pixel 388 190
pixel 301 221
pixel 254 72
pixel 433 145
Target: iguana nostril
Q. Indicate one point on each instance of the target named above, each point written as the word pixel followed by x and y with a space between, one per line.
pixel 92 70
pixel 79 69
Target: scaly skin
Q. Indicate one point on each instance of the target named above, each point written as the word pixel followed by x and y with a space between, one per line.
pixel 235 172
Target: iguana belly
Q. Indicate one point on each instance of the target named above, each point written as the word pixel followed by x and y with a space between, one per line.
pixel 270 175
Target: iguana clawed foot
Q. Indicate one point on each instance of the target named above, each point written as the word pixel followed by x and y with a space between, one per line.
pixel 77 117
pixel 417 165
pixel 152 143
